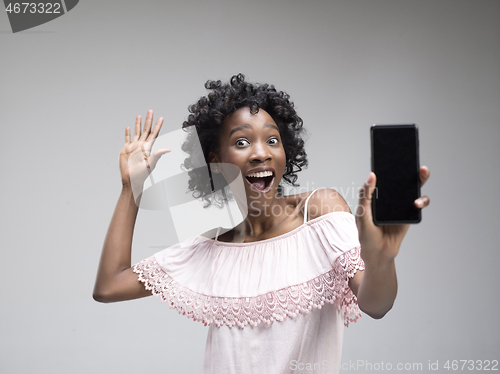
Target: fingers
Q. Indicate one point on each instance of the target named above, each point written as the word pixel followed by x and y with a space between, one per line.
pixel 364 209
pixel 127 135
pixel 137 128
pixel 422 202
pixel 156 130
pixel 147 125
pixel 147 135
pixel 150 134
pixel 424 175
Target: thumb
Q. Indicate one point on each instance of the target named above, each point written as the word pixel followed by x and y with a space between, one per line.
pixel 155 157
pixel 364 209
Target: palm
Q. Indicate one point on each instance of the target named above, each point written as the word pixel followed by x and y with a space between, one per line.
pixel 385 240
pixel 133 161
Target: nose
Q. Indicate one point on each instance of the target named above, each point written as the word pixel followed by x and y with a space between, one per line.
pixel 260 152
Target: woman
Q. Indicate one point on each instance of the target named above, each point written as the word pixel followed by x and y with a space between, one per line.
pixel 277 288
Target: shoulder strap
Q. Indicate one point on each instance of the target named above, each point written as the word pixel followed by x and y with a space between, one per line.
pixel 305 207
pixel 217 235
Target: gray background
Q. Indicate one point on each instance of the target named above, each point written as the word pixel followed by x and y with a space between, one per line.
pixel 71 86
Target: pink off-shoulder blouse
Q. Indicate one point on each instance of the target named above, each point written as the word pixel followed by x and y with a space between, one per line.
pixel 274 306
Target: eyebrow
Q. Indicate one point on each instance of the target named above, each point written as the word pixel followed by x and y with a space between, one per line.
pixel 246 126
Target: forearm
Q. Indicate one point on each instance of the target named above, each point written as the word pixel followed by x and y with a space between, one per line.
pixel 117 249
pixel 378 288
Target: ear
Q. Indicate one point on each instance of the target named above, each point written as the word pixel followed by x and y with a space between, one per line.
pixel 213 160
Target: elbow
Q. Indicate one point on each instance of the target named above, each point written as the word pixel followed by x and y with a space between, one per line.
pixel 376 314
pixel 100 296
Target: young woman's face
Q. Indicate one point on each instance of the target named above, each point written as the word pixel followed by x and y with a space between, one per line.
pixel 253 143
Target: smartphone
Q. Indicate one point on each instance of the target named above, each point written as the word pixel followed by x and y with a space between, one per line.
pixel 395 161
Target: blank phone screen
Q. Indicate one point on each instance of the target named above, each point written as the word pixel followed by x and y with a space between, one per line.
pixel 396 165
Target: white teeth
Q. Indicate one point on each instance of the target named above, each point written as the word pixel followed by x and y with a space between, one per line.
pixel 262 174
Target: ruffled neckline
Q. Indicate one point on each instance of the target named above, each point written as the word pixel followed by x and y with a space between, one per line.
pixel 279 237
pixel 270 280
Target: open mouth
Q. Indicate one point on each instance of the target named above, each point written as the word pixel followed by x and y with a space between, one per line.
pixel 261 181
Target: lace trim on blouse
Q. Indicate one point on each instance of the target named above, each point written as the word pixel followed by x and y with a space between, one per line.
pixel 275 305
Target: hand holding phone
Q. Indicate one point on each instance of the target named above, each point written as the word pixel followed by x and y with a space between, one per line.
pixel 380 242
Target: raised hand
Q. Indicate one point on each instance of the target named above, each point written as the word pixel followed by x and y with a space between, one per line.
pixel 136 160
pixel 381 242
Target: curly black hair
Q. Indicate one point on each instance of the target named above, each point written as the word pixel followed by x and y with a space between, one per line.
pixel 209 113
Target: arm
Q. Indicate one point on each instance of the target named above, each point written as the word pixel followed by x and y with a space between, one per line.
pixel 115 279
pixel 376 287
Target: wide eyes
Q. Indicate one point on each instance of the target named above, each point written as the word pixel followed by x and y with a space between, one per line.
pixel 243 142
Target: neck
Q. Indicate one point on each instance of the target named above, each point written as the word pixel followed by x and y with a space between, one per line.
pixel 261 217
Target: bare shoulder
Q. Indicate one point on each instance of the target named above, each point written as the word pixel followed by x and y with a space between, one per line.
pixel 321 201
pixel 324 201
